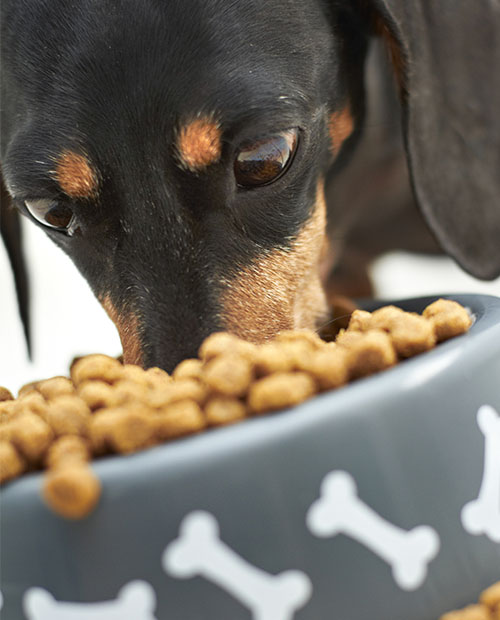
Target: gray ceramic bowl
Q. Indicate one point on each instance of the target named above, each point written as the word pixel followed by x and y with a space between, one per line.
pixel 380 501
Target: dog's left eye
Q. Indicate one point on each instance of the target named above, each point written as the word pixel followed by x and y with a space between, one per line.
pixel 263 161
pixel 52 214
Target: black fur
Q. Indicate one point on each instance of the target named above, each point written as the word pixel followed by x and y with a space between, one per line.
pixel 117 79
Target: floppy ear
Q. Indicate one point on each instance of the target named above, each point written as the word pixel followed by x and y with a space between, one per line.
pixel 11 233
pixel 446 57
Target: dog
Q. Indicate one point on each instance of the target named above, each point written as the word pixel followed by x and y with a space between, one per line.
pixel 183 153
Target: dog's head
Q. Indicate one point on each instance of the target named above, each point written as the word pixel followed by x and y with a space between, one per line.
pixel 176 151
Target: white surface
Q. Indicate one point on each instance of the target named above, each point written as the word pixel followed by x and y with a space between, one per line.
pixel 67 320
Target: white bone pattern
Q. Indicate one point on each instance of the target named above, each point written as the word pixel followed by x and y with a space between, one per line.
pixel 340 511
pixel 136 601
pixel 199 551
pixel 482 515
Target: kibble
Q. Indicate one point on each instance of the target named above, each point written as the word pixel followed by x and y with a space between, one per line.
pixel 222 410
pixel 111 408
pixel 5 394
pixel 280 390
pixel 488 607
pixel 448 318
pixel 72 491
pixel 180 418
pixel 12 464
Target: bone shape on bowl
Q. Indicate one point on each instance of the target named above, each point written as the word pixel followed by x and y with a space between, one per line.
pixel 199 551
pixel 339 510
pixel 135 601
pixel 482 515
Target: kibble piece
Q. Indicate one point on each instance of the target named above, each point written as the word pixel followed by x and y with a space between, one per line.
pixel 100 428
pixel 134 374
pixel 155 374
pixel 31 436
pixel 298 353
pixel 100 367
pixel 11 462
pixel 382 318
pixel 188 369
pixel 6 429
pixel 5 394
pixel 125 392
pixel 305 336
pixel 223 342
pixel 491 596
pixel 67 449
pixel 177 419
pixel 57 386
pixel 157 378
pixel 72 491
pixel 98 394
pixel 221 410
pixel 68 415
pixel 28 388
pixel 280 390
pixel 472 612
pixel 448 318
pixel 367 352
pixel 180 389
pixel 360 321
pixel 412 335
pixel 328 366
pixel 8 410
pixel 32 402
pixel 132 428
pixel 228 374
pixel 271 357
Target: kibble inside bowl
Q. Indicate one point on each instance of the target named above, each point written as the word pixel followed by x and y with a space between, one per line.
pixel 389 434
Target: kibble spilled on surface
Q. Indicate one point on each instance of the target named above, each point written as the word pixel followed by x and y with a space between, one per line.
pixel 62 423
pixel 488 607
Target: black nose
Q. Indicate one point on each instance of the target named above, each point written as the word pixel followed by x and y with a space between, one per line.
pixel 167 342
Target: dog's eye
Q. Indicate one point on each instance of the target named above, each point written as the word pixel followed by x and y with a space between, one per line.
pixel 263 161
pixel 52 214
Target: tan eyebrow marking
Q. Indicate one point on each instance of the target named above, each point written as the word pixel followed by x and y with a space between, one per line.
pixel 75 175
pixel 199 144
pixel 340 127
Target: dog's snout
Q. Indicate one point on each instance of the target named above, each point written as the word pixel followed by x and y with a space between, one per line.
pixel 159 333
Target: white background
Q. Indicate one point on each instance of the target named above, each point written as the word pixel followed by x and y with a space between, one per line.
pixel 67 320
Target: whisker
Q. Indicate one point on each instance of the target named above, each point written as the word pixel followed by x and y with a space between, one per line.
pixel 331 321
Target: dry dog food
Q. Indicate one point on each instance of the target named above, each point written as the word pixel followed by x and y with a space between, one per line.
pixel 109 408
pixel 488 607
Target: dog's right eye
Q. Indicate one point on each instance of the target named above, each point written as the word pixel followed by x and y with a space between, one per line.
pixel 263 161
pixel 51 213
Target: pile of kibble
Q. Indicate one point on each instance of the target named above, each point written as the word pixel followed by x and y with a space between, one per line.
pixel 109 408
pixel 488 607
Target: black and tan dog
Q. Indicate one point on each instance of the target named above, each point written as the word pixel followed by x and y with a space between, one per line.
pixel 177 150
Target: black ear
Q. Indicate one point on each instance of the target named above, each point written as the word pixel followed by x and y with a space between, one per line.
pixel 447 61
pixel 10 230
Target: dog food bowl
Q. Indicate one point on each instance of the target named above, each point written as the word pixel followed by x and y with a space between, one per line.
pixel 380 500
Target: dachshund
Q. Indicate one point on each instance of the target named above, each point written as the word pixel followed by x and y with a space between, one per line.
pixel 191 156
